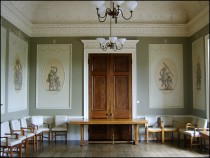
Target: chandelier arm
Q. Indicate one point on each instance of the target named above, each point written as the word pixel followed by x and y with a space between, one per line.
pixel 105 15
pixel 119 10
pixel 121 46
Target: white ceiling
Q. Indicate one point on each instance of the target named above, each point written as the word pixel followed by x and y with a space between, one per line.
pixel 39 13
pixel 67 12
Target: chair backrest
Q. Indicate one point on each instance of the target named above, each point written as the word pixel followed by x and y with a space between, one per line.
pixel 202 123
pixel 37 120
pixel 167 120
pixel 23 123
pixel 195 121
pixel 15 124
pixel 5 128
pixel 60 120
pixel 152 120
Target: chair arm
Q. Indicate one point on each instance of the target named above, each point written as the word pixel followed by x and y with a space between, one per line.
pixel 190 125
pixel 6 140
pixel 34 126
pixel 30 128
pixel 16 135
pixel 21 131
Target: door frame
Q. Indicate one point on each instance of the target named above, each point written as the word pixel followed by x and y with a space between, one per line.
pixel 92 46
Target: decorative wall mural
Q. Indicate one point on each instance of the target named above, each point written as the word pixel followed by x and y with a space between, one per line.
pixel 18 75
pixel 53 75
pixel 53 78
pixel 198 71
pixel 166 76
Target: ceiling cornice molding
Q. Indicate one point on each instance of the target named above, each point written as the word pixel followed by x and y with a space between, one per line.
pixel 134 30
pixel 10 13
pixel 199 21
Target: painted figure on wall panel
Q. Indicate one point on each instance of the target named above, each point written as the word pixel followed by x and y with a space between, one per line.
pixel 53 76
pixel 166 75
pixel 198 74
pixel 18 74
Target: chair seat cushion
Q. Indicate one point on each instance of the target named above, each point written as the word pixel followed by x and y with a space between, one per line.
pixel 191 133
pixel 168 129
pixel 28 135
pixel 37 131
pixel 11 142
pixel 43 129
pixel 154 129
pixel 59 129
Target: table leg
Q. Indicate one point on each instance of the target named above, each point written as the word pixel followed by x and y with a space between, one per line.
pixel 82 142
pixel 136 134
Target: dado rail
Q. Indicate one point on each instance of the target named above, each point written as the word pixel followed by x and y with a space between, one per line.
pixel 83 122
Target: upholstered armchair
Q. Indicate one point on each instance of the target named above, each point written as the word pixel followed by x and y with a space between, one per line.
pixel 168 126
pixel 201 126
pixel 152 127
pixel 60 128
pixel 38 124
pixel 10 141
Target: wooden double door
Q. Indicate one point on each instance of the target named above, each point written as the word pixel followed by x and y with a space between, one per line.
pixel 110 95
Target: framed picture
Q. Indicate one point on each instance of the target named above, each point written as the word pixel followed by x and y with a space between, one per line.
pixel 3 68
pixel 18 74
pixel 166 76
pixel 198 69
pixel 53 78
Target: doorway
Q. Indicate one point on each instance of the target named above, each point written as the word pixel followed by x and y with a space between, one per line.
pixel 110 95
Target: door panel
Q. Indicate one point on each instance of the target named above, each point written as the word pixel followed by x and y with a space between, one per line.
pixel 110 95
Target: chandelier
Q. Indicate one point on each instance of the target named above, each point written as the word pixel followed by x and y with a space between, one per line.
pixel 113 42
pixel 102 11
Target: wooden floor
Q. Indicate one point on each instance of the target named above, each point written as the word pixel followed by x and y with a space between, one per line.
pixel 153 149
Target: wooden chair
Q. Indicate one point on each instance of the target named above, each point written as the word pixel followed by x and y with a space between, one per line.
pixel 29 129
pixel 168 126
pixel 25 137
pixel 9 143
pixel 60 128
pixel 152 127
pixel 186 126
pixel 202 125
pixel 38 124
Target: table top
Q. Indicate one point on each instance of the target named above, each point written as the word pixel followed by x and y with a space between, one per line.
pixel 205 133
pixel 107 121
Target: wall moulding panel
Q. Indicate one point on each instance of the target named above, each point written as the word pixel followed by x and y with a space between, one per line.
pixel 3 68
pixel 17 74
pixel 54 76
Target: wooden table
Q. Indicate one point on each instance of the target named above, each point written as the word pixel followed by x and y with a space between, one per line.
pixel 83 122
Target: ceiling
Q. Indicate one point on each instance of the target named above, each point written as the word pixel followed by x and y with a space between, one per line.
pixel 78 12
pixel 79 18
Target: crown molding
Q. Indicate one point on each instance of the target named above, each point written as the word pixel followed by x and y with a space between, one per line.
pixel 10 13
pixel 199 21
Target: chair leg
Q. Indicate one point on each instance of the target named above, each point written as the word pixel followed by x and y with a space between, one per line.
pixel 191 142
pixel 147 133
pixel 163 137
pixel 66 138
